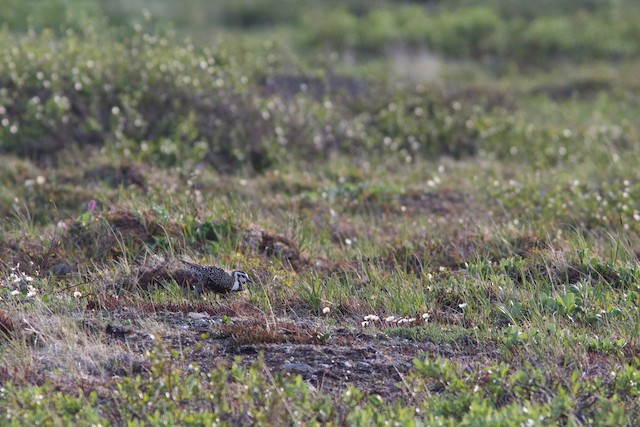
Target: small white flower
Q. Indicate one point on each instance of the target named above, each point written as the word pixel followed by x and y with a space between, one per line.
pixel 365 324
pixel 390 319
pixel 326 310
pixel 15 292
pixel 463 305
pixel 372 317
pixel 77 294
pixel 426 316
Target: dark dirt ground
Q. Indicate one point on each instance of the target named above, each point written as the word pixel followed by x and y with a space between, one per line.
pixel 329 357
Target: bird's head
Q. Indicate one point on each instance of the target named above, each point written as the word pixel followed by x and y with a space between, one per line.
pixel 239 279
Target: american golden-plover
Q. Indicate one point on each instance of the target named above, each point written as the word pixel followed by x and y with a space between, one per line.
pixel 217 280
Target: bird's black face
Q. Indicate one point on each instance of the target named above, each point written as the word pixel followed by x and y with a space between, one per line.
pixel 239 279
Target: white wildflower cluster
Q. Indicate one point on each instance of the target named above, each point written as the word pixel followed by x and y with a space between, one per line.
pixel 400 320
pixel 369 318
pixel 20 281
pixel 19 277
pixel 397 320
pixel 31 291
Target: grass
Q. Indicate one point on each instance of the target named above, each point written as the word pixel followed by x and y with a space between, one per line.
pixel 458 249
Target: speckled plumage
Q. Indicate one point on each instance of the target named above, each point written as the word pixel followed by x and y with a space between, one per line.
pixel 215 279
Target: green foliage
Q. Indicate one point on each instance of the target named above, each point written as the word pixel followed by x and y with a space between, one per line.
pixel 464 33
pixel 234 394
pixel 44 406
pixel 527 32
pixel 525 9
pixel 521 31
pixel 493 222
pixel 137 95
pixel 437 334
pixel 500 397
pixel 59 15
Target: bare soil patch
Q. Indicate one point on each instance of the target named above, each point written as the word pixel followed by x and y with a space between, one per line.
pixel 329 357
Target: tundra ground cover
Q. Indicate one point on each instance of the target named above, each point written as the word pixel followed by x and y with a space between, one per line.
pixel 456 249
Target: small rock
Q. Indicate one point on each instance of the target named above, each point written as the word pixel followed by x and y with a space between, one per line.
pixel 60 269
pixel 297 368
pixel 198 316
pixel 348 364
pixel 306 323
pixel 363 366
pixel 116 331
pixel 247 349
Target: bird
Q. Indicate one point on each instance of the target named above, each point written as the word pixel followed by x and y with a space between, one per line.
pixel 217 280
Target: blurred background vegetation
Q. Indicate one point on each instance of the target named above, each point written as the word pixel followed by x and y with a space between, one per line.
pixel 501 31
pixel 254 84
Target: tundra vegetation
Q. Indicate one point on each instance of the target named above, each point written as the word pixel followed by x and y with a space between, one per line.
pixel 437 203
